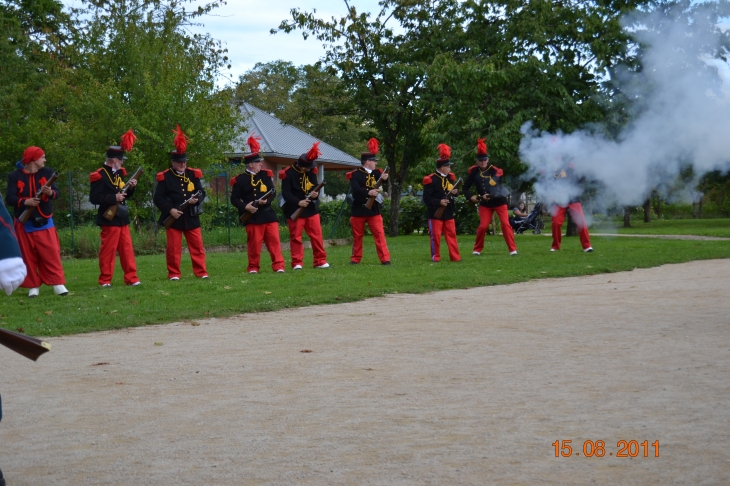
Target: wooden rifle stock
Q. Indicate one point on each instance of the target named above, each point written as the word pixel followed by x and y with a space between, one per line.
pixel 112 211
pixel 440 211
pixel 28 346
pixel 170 220
pixel 371 199
pixel 25 216
pixel 299 210
pixel 258 202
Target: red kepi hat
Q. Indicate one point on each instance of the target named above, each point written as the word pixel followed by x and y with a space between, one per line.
pixel 31 154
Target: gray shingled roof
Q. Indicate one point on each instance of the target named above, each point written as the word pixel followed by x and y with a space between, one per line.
pixel 281 140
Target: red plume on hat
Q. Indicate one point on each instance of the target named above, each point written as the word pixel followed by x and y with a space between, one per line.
pixel 444 151
pixel 307 159
pixel 481 147
pixel 314 152
pixel 373 146
pixel 128 139
pixel 180 141
pixel 253 143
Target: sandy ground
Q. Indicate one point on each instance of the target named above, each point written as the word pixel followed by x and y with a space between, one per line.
pixel 457 387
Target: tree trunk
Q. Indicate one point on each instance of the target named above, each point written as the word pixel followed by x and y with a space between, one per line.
pixel 694 209
pixel 647 210
pixel 702 196
pixel 627 216
pixel 572 229
pixel 395 190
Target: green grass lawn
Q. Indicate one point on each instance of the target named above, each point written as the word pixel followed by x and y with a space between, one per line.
pixel 700 227
pixel 230 290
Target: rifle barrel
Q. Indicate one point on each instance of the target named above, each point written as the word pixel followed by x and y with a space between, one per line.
pixel 29 347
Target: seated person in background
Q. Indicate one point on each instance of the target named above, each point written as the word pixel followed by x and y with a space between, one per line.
pixel 520 215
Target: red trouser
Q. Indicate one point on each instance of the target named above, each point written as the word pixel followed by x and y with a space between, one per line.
pixel 41 251
pixel 194 239
pixel 263 233
pixel 576 212
pixel 448 228
pixel 116 239
pixel 313 227
pixel 375 223
pixel 485 217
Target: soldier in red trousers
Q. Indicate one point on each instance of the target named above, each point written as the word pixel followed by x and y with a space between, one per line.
pixel 566 183
pixel 362 187
pixel 297 182
pixel 491 196
pixel 106 186
pixel 438 192
pixel 263 225
pixel 174 187
pixel 38 238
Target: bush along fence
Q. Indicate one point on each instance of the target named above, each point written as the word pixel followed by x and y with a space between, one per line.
pixel 74 217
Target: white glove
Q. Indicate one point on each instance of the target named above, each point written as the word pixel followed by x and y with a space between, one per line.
pixel 12 274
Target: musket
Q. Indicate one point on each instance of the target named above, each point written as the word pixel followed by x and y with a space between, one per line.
pixel 482 193
pixel 258 202
pixel 371 199
pixel 299 210
pixel 25 216
pixel 440 211
pixel 28 346
pixel 170 220
pixel 112 211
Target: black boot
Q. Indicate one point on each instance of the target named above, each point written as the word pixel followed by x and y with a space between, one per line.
pixel 2 481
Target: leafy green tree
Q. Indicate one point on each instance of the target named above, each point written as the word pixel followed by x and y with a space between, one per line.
pixel 270 86
pixel 33 49
pixel 527 61
pixel 132 64
pixel 383 67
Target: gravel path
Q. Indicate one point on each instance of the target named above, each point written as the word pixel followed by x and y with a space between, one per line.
pixel 467 387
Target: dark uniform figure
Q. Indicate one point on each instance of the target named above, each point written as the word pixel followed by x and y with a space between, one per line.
pixel 174 187
pixel 12 268
pixel 106 184
pixel 263 225
pixel 565 182
pixel 491 196
pixel 38 238
pixel 362 186
pixel 437 189
pixel 297 183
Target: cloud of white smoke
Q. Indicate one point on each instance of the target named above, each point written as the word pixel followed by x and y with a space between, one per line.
pixel 684 120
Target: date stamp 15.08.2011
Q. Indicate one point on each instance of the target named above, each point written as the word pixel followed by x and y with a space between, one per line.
pixel 624 448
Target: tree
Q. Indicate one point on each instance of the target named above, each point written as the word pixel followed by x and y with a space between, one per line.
pixel 527 61
pixel 33 49
pixel 384 71
pixel 130 64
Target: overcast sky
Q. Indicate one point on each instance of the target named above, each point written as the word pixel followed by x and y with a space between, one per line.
pixel 244 25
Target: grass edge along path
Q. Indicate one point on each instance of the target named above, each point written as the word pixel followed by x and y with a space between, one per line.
pixel 719 227
pixel 231 291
